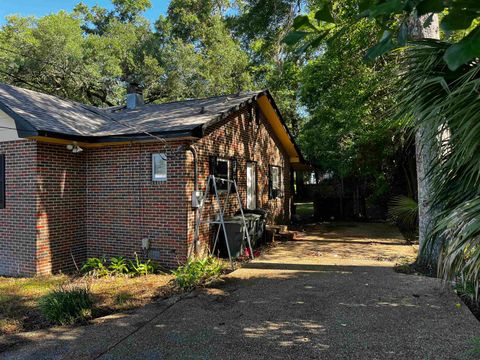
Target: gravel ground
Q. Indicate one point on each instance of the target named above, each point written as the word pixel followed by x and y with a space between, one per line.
pixel 330 294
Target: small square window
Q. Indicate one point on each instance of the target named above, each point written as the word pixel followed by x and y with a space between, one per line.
pixel 159 167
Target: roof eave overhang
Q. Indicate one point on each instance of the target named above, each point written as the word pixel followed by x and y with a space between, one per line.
pixel 272 113
pixel 102 141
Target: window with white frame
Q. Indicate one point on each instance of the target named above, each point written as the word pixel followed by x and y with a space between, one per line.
pixel 275 180
pixel 159 167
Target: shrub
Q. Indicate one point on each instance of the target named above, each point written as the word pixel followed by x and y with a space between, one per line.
pixel 404 211
pixel 475 346
pixel 95 266
pixel 67 305
pixel 118 266
pixel 466 290
pixel 137 267
pixel 198 272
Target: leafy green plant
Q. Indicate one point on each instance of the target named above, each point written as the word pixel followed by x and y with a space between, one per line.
pixel 430 88
pixel 466 290
pixel 67 305
pixel 118 266
pixel 393 18
pixel 95 266
pixel 475 346
pixel 404 211
pixel 137 267
pixel 197 272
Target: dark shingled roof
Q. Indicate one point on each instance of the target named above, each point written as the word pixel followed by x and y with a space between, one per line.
pixel 36 113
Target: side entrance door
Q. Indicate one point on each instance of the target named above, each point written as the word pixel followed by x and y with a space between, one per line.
pixel 251 185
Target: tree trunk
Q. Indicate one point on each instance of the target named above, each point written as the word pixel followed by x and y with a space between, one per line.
pixel 342 194
pixel 425 149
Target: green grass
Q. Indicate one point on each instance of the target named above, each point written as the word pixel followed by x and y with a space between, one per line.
pixel 18 301
pixel 304 209
pixel 19 297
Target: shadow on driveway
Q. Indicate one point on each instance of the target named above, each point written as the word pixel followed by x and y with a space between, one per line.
pixel 302 300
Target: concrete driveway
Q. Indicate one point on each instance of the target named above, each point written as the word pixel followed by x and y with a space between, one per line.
pixel 330 294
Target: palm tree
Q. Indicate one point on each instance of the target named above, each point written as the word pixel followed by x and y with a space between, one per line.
pixel 434 97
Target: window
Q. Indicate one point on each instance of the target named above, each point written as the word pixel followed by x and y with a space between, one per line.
pixel 220 168
pixel 223 167
pixel 2 181
pixel 223 170
pixel 251 185
pixel 159 167
pixel 275 181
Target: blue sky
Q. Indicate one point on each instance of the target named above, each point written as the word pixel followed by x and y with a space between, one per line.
pixel 44 7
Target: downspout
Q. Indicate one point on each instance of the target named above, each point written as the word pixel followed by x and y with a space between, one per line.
pixel 195 166
pixel 193 150
pixel 196 235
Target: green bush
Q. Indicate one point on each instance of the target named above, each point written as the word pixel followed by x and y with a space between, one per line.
pixel 118 266
pixel 95 267
pixel 404 211
pixel 475 346
pixel 197 272
pixel 67 305
pixel 138 267
pixel 466 290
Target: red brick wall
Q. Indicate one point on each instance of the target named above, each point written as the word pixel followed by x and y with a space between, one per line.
pixel 124 205
pixel 103 201
pixel 61 208
pixel 247 139
pixel 17 220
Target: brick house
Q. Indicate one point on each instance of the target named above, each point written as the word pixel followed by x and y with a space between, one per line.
pixel 78 181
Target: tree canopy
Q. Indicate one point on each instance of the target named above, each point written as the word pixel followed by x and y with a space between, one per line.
pixel 460 22
pixel 436 95
pixel 93 54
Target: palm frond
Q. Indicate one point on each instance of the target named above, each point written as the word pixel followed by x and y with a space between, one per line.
pixel 404 210
pixel 448 103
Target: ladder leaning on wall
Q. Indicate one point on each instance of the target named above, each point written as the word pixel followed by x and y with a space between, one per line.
pixel 211 183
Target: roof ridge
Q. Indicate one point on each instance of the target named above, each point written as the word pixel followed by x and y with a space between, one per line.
pixel 207 98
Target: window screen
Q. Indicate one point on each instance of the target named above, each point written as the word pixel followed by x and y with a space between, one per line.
pixel 159 167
